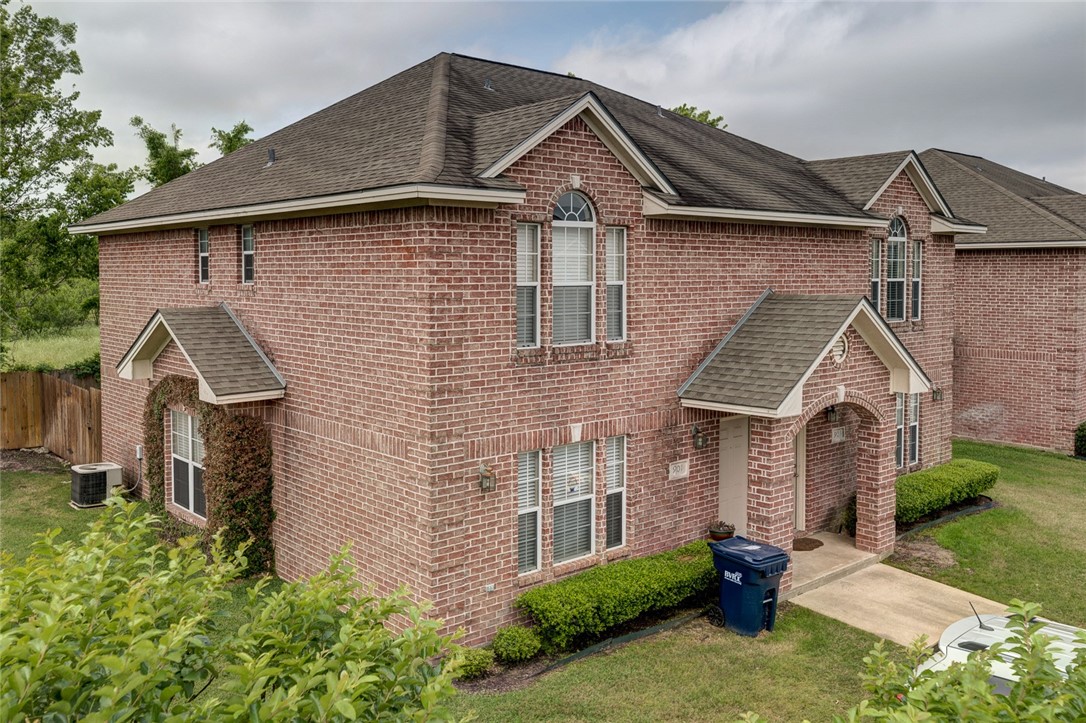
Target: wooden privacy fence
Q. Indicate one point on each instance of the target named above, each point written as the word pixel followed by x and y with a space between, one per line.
pixel 42 410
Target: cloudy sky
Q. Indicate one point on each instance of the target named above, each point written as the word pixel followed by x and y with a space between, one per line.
pixel 1003 80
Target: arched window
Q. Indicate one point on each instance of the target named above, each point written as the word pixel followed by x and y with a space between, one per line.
pixel 573 236
pixel 895 270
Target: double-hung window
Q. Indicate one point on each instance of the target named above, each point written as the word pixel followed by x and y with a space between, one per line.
pixel 528 512
pixel 573 475
pixel 203 244
pixel 615 472
pixel 187 451
pixel 876 271
pixel 895 271
pixel 899 431
pixel 616 283
pixel 914 428
pixel 527 285
pixel 248 255
pixel 917 251
pixel 573 232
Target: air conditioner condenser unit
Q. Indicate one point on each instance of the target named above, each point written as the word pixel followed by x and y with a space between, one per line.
pixel 93 483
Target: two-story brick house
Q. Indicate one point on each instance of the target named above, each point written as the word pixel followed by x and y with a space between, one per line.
pixel 504 325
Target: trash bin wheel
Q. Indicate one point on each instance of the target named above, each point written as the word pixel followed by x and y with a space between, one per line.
pixel 715 615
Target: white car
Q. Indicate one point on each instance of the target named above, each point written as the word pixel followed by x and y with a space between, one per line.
pixel 979 632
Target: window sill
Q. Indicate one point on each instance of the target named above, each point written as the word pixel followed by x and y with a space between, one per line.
pixel 185 515
pixel 577 564
pixel 618 553
pixel 541 355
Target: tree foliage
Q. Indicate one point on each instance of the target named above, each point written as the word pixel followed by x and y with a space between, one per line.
pixel 701 116
pixel 166 159
pixel 117 627
pixel 229 141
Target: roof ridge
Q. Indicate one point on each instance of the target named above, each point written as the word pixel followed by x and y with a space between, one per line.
pixel 1020 200
pixel 432 153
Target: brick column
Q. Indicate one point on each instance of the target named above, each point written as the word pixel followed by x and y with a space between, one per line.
pixel 770 487
pixel 875 494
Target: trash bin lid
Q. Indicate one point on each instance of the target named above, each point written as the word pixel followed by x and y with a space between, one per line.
pixel 756 555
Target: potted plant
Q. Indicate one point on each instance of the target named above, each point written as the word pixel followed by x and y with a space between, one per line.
pixel 721 530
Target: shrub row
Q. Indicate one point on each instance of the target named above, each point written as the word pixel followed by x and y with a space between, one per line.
pixel 89 367
pixel 1080 440
pixel 930 490
pixel 584 606
pixel 516 644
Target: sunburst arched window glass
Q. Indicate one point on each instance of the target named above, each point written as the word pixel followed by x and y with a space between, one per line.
pixel 896 244
pixel 573 236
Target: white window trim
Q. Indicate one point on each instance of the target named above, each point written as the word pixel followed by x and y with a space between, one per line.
pixel 876 272
pixel 899 430
pixel 189 433
pixel 591 284
pixel 917 266
pixel 536 284
pixel 914 428
pixel 621 284
pixel 608 492
pixel 590 496
pixel 203 240
pixel 537 510
pixel 904 262
pixel 252 237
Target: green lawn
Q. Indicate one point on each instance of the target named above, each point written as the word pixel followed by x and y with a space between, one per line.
pixel 808 667
pixel 56 351
pixel 1032 547
pixel 33 502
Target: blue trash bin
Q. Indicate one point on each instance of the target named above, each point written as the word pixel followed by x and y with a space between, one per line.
pixel 750 574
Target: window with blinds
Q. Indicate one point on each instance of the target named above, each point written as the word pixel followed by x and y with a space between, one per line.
pixel 616 283
pixel 573 476
pixel 203 244
pixel 914 428
pixel 876 271
pixel 528 512
pixel 917 250
pixel 899 430
pixel 895 271
pixel 527 285
pixel 573 243
pixel 187 452
pixel 248 255
pixel 615 472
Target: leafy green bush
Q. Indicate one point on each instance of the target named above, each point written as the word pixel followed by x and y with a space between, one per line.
pixel 1080 440
pixel 472 663
pixel 89 367
pixel 119 627
pixel 516 644
pixel 930 490
pixel 597 600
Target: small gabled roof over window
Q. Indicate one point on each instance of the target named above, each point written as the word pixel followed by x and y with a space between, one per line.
pixel 229 364
pixel 760 367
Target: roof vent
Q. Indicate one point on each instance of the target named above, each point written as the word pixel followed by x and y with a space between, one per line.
pixel 660 111
pixel 487 85
pixel 271 157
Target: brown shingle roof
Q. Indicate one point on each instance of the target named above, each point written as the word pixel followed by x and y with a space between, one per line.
pixel 991 194
pixel 767 353
pixel 437 123
pixel 859 177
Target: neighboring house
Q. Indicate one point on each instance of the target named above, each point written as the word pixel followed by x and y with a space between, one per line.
pixel 1020 304
pixel 629 321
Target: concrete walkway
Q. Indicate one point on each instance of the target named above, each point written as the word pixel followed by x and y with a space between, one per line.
pixel 894 604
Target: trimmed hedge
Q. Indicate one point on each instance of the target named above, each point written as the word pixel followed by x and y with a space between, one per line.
pixel 472 663
pixel 1080 440
pixel 515 644
pixel 930 490
pixel 584 606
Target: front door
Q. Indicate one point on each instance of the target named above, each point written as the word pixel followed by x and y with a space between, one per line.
pixel 800 486
pixel 734 450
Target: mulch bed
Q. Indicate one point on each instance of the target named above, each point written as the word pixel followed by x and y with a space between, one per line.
pixel 979 503
pixel 32 460
pixel 806 544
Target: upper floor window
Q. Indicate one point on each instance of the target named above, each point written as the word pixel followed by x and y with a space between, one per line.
pixel 527 285
pixel 248 255
pixel 876 271
pixel 203 244
pixel 895 270
pixel 616 283
pixel 574 276
pixel 917 250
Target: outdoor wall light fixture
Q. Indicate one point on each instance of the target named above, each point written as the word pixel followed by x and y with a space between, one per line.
pixel 937 394
pixel 488 481
pixel 701 440
pixel 832 415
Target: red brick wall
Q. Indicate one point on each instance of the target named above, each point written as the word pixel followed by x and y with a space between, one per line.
pixel 395 331
pixel 1020 346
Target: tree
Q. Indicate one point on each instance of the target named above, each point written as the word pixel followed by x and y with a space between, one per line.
pixel 119 627
pixel 43 134
pixel 229 141
pixel 701 116
pixel 166 159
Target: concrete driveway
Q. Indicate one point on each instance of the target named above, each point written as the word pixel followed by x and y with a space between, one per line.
pixel 894 604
